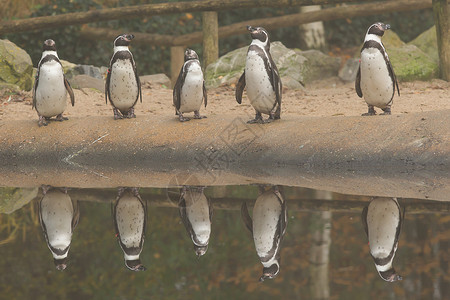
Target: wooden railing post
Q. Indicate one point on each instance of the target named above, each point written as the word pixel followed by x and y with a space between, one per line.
pixel 210 26
pixel 176 62
pixel 442 21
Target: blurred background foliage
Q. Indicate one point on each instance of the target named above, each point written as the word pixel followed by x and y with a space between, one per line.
pixel 340 34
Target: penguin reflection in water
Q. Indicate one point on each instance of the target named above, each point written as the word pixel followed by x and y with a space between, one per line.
pixel 50 86
pixel 122 87
pixel 189 90
pixel 196 214
pixel 58 216
pixel 130 218
pixel 376 79
pixel 268 228
pixel 382 220
pixel 261 77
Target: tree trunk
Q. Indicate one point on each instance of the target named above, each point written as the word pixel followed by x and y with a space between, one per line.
pixel 210 38
pixel 442 20
pixel 176 62
pixel 312 35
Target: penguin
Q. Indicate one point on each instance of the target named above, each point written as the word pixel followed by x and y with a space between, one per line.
pixel 264 88
pixel 130 219
pixel 268 228
pixel 51 86
pixel 58 216
pixel 196 215
pixel 122 87
pixel 382 220
pixel 189 90
pixel 376 79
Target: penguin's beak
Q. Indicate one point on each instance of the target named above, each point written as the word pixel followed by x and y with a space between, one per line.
pixel 250 28
pixel 129 37
pixel 386 26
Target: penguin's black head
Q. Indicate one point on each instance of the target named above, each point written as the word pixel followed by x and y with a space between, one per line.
pixel 49 45
pixel 190 54
pixel 135 265
pixel 378 28
pixel 60 264
pixel 270 272
pixel 390 275
pixel 259 33
pixel 123 40
pixel 200 250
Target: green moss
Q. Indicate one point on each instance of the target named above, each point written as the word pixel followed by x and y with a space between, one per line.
pixel 410 63
pixel 427 42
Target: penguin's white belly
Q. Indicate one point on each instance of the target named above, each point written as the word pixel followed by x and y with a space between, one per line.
pixel 197 211
pixel 57 213
pixel 130 216
pixel 376 84
pixel 259 88
pixel 383 217
pixel 266 215
pixel 51 94
pixel 123 85
pixel 192 90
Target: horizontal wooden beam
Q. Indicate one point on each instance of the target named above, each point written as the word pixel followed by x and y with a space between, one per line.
pixel 327 14
pixel 147 10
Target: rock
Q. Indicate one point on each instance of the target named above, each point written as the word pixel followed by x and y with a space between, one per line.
pixel 86 81
pixel 67 66
pixel 290 64
pixel 319 65
pixel 15 65
pixel 410 63
pixel 11 199
pixel 349 70
pixel 427 42
pixel 227 69
pixel 88 70
pixel 157 79
pixel 10 87
pixel 391 40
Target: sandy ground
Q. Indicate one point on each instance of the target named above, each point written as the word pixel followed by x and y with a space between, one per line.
pixel 328 97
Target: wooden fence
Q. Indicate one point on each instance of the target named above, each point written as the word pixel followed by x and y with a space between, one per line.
pixel 211 32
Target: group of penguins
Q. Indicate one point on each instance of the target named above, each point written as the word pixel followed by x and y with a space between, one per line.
pixel 382 220
pixel 375 80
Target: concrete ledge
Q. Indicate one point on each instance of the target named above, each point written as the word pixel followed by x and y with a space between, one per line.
pixel 398 155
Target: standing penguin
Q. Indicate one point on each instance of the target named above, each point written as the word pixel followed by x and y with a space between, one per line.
pixel 268 228
pixel 189 90
pixel 130 218
pixel 375 78
pixel 196 214
pixel 261 76
pixel 58 216
pixel 122 87
pixel 382 220
pixel 50 86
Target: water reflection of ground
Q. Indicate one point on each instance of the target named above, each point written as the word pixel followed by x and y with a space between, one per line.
pixel 324 253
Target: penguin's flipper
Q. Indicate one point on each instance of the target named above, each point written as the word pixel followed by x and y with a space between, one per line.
pixel 108 79
pixel 211 210
pixel 358 83
pixel 177 89
pixel 36 82
pixel 276 84
pixel 76 214
pixel 401 215
pixel 246 217
pixel 138 82
pixel 183 215
pixel 364 219
pixel 205 96
pixel 283 216
pixel 240 88
pixel 69 90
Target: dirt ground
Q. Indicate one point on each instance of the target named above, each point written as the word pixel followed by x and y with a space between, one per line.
pixel 328 97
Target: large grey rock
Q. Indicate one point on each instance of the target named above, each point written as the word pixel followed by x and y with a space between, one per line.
pixel 11 199
pixel 157 79
pixel 427 42
pixel 349 70
pixel 15 65
pixel 299 67
pixel 86 81
pixel 319 65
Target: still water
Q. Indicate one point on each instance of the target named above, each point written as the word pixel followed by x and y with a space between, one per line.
pixel 220 242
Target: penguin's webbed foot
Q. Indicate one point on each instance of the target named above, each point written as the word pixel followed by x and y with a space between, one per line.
pixel 117 114
pixel 197 115
pixel 371 111
pixel 258 119
pixel 60 118
pixel 386 111
pixel 131 114
pixel 42 121
pixel 183 119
